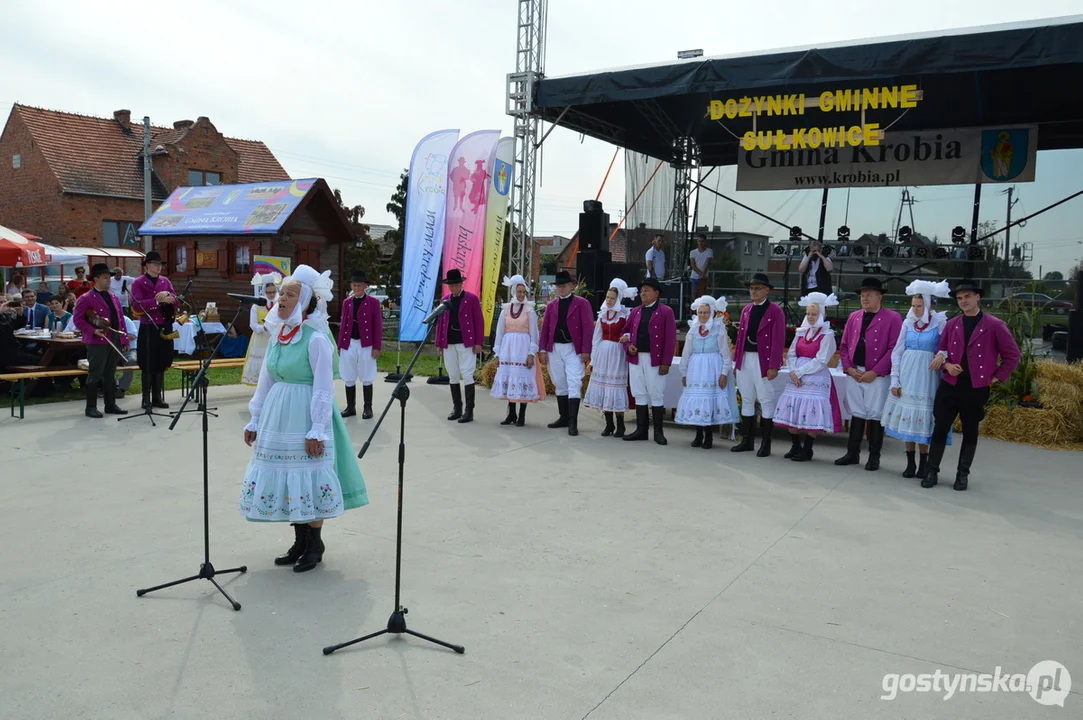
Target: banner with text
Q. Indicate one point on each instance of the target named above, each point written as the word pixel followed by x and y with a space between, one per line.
pixel 496 216
pixel 933 157
pixel 423 241
pixel 468 191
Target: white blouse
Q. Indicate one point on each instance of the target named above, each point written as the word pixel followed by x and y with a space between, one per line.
pixel 816 364
pixel 254 323
pixel 723 339
pixel 320 351
pixel 532 322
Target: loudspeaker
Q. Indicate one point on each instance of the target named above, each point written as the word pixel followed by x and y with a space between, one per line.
pixel 594 231
pixel 589 267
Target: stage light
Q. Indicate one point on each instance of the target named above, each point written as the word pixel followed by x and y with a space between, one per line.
pixel 779 249
pixel 975 252
pixel 905 233
pixel 888 252
pixel 958 235
pixel 940 253
pixel 592 206
pixel 858 251
pixel 922 252
pixel 795 233
pixel 844 234
pixel 872 268
pixel 825 249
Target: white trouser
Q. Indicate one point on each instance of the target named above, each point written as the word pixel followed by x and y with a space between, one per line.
pixel 460 362
pixel 755 388
pixel 357 363
pixel 566 370
pixel 867 400
pixel 648 387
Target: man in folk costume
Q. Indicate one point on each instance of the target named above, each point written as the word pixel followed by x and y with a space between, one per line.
pixel 102 340
pixel 865 355
pixel 567 338
pixel 651 341
pixel 976 350
pixel 460 333
pixel 761 342
pixel 151 293
pixel 360 339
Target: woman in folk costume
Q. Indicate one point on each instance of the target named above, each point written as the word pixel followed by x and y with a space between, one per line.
pixel 607 389
pixel 809 404
pixel 303 470
pixel 518 378
pixel 267 285
pixel 709 397
pixel 908 413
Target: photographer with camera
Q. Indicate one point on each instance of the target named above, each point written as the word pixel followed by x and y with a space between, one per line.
pixel 815 270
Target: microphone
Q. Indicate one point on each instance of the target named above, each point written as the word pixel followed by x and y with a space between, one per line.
pixel 187 288
pixel 250 299
pixel 437 311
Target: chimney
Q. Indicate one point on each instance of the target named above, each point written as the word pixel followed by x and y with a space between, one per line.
pixel 183 124
pixel 123 118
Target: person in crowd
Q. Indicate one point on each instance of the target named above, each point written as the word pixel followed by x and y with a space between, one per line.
pixel 37 315
pixel 650 341
pixel 80 285
pixel 518 376
pixel 976 351
pixel 460 333
pixel 360 341
pixel 656 258
pixel 761 342
pixel 121 286
pixel 98 316
pixel 267 285
pixel 865 355
pixel 11 320
pixel 700 259
pixel 151 293
pixel 16 285
pixel 708 397
pixel 565 345
pixel 303 469
pixel 809 405
pixel 59 317
pixel 607 390
pixel 815 270
pixel 44 293
pixel 908 411
pixel 131 357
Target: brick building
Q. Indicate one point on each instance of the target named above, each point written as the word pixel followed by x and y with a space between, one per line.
pixel 76 180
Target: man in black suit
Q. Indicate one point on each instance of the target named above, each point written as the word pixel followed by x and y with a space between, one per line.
pixel 36 314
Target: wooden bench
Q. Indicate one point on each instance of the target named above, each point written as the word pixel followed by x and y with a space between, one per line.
pixel 190 368
pixel 22 373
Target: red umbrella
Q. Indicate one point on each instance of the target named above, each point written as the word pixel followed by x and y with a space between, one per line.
pixel 16 249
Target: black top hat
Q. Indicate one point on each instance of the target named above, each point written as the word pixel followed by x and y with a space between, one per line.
pixel 152 256
pixel 454 277
pixel 761 279
pixel 563 278
pixel 358 276
pixel 651 283
pixel 968 286
pixel 872 283
pixel 98 270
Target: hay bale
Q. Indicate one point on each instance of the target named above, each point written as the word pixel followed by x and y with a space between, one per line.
pixel 488 375
pixel 1044 428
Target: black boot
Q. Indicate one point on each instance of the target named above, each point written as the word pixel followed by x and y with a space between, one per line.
pixel 876 443
pixel 159 392
pixel 562 408
pixel 746 444
pixel 795 446
pixel 658 414
pixel 708 437
pixel 698 442
pixel 147 384
pixel 962 474
pixel 300 542
pixel 853 445
pixel 911 469
pixel 766 426
pixel 313 554
pixel 804 454
pixel 923 460
pixel 609 426
pixel 366 411
pixel 351 402
pixel 468 416
pixel 932 468
pixel 620 425
pixel 511 415
pixel 110 393
pixel 573 416
pixel 643 421
pixel 521 420
pixel 456 402
pixel 92 401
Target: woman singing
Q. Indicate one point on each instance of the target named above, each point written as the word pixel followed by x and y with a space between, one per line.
pixel 303 470
pixel 709 397
pixel 608 387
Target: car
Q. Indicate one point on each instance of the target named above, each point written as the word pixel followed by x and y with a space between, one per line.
pixel 390 308
pixel 1036 301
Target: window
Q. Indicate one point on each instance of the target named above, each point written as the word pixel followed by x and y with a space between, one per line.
pixel 120 233
pixel 16 161
pixel 763 247
pixel 748 247
pixel 180 258
pixel 198 178
pixel 242 260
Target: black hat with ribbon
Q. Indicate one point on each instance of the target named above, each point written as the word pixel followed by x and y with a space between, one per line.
pixel 761 279
pixel 454 277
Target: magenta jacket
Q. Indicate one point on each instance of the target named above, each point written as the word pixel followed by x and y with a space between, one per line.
pixel 92 300
pixel 580 325
pixel 990 339
pixel 370 322
pixel 880 340
pixel 141 297
pixel 663 331
pixel 770 338
pixel 471 321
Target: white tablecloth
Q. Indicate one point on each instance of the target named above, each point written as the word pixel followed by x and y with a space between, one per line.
pixel 186 343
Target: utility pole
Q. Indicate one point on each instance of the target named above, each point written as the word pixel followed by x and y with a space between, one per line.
pixel 146 180
pixel 1008 231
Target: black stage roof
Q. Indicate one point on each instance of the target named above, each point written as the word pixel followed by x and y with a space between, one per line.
pixel 1016 74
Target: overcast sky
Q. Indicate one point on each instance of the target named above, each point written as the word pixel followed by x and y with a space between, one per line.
pixel 344 90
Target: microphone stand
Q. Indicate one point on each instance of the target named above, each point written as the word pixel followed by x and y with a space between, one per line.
pixel 206 569
pixel 148 410
pixel 396 624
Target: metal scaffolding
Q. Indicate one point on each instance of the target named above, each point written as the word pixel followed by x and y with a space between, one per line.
pixel 529 68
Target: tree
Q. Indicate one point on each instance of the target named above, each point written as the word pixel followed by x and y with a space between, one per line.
pixel 364 252
pixel 397 207
pixel 1054 275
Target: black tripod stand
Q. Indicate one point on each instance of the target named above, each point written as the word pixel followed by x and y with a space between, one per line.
pixel 396 624
pixel 206 570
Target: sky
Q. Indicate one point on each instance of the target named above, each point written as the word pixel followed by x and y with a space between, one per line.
pixel 344 90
